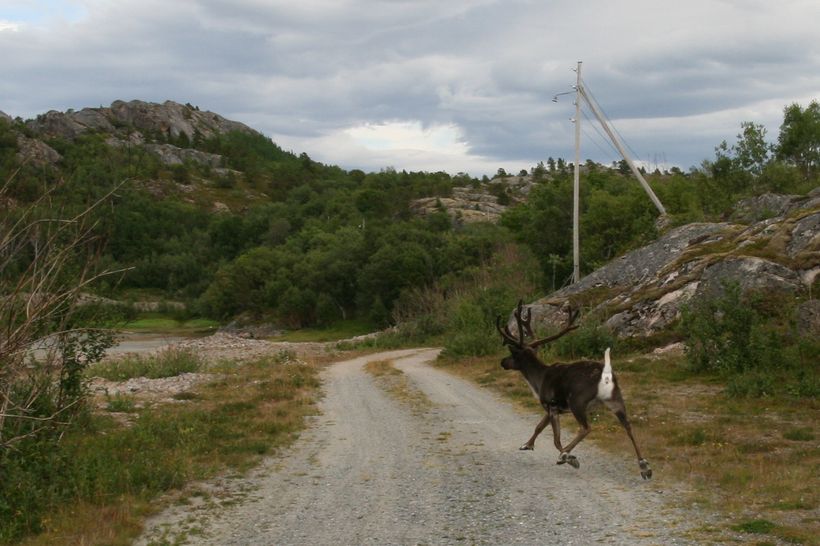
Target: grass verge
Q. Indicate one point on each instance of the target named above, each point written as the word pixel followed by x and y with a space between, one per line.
pixel 156 322
pixel 393 380
pixel 755 460
pixel 103 479
pixel 336 332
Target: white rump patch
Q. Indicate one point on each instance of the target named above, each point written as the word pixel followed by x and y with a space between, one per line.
pixel 606 384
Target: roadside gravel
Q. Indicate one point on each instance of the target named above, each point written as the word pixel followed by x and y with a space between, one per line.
pixel 371 470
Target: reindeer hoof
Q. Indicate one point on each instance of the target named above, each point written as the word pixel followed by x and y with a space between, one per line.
pixel 526 447
pixel 572 460
pixel 646 472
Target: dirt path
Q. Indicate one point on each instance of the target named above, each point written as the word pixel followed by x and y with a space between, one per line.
pixel 371 470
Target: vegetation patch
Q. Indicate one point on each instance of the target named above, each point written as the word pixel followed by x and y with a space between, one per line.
pixel 167 363
pixel 755 526
pixel 395 382
pixel 169 325
pixel 96 485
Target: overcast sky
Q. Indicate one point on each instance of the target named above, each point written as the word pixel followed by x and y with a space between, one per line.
pixel 429 85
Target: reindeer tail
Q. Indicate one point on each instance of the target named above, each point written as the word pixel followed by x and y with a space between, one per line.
pixel 606 383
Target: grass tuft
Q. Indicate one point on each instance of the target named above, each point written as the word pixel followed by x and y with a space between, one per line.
pixel 755 526
pixel 168 363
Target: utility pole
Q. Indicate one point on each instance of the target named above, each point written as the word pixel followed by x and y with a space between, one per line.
pixel 581 94
pixel 576 187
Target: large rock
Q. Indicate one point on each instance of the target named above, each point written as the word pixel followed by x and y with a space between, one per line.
pixel 643 292
pixel 36 152
pixel 173 155
pixel 56 124
pixel 173 119
pixel 169 119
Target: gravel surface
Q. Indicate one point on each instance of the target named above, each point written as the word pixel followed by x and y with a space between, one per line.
pixel 372 470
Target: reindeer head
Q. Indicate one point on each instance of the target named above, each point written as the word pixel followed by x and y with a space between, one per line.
pixel 522 353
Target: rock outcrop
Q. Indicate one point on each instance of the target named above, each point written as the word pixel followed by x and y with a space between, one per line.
pixel 36 152
pixel 644 291
pixel 477 204
pixel 169 119
pixel 132 123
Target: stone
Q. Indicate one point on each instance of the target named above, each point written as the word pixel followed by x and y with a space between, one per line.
pixel 174 155
pixel 761 207
pixel 36 152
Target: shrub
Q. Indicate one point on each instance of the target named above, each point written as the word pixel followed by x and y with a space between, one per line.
pixel 726 335
pixel 470 333
pixel 751 342
pixel 589 340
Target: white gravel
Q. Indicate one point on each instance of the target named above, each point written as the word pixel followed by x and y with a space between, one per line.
pixel 370 470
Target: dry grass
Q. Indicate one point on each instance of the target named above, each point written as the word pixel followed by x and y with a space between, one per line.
pixel 393 380
pixel 755 461
pixel 256 409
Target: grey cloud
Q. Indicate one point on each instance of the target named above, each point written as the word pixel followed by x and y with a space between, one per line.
pixel 308 69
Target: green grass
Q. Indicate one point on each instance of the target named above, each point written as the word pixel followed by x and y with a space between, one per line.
pixel 802 434
pixel 756 526
pixel 121 403
pixel 335 332
pixel 96 485
pixel 168 363
pixel 155 322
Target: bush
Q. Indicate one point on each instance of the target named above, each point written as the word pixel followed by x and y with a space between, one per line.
pixel 470 333
pixel 726 335
pixel 589 341
pixel 750 341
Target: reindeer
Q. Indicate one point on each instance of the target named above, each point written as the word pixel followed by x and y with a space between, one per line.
pixel 563 388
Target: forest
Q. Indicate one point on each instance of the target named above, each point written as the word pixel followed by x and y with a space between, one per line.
pixel 305 244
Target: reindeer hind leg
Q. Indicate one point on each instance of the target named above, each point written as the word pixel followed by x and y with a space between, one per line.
pixel 580 415
pixel 617 407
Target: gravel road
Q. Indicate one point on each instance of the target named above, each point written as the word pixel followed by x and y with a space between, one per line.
pixel 373 470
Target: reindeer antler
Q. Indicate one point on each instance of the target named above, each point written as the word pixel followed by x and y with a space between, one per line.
pixel 524 327
pixel 572 316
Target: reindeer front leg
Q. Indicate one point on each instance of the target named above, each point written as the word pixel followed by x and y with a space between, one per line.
pixel 530 445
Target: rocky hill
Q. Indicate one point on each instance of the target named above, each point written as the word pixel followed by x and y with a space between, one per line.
pixel 134 122
pixel 772 245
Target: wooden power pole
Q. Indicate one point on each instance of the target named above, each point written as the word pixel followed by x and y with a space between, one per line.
pixel 581 94
pixel 576 187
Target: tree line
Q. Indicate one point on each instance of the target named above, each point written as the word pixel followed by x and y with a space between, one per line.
pixel 316 243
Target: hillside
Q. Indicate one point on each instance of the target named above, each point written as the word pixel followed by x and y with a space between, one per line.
pixel 642 293
pixel 212 213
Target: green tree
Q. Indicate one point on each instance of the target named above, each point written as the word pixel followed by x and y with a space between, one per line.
pixel 799 139
pixel 752 150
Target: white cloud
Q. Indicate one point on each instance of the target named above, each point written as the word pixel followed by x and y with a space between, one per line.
pixel 475 79
pixel 403 145
pixel 9 26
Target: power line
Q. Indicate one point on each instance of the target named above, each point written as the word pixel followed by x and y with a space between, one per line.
pixel 598 105
pixel 600 134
